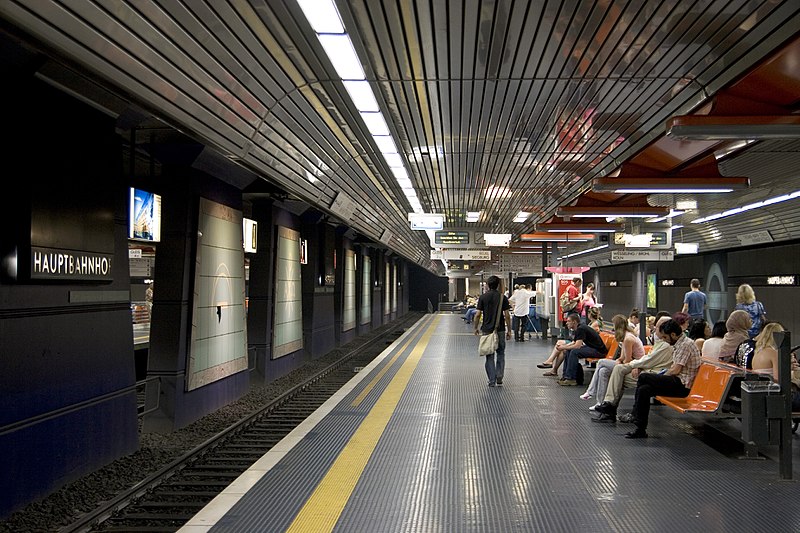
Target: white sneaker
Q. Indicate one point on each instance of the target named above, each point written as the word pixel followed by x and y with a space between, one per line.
pixel 585 396
pixel 594 407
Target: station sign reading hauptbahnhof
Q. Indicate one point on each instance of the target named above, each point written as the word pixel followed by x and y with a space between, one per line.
pixel 50 263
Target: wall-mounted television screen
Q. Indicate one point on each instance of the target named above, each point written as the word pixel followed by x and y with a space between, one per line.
pixel 144 216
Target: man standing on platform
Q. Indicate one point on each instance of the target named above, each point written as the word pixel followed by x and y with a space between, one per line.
pixel 694 301
pixel 676 381
pixel 521 302
pixel 489 304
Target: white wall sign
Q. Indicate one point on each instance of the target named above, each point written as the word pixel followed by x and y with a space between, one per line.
pixel 642 255
pixel 343 206
pixel 757 237
pixel 250 234
pixel 468 255
pixel 426 221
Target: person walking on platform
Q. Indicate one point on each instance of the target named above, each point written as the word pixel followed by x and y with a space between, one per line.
pixel 694 301
pixel 521 302
pixel 676 381
pixel 586 343
pixel 489 304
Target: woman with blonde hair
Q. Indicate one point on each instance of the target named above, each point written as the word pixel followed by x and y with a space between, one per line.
pixel 765 360
pixel 631 348
pixel 746 301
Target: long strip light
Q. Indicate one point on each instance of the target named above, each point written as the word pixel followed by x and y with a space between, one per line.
pixel 584 251
pixel 748 207
pixel 653 185
pixel 556 237
pixel 672 213
pixel 580 227
pixel 611 211
pixel 324 18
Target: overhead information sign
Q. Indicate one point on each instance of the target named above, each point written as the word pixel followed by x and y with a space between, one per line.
pixel 642 255
pixel 343 206
pixel 426 221
pixel 656 239
pixel 451 237
pixel 468 255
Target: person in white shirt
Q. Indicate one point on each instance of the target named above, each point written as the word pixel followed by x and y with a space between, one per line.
pixel 712 345
pixel 520 301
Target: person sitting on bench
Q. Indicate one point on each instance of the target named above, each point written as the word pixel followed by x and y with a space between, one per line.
pixel 586 343
pixel 626 375
pixel 765 360
pixel 676 381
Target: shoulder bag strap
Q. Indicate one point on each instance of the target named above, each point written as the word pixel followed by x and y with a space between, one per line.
pixel 499 310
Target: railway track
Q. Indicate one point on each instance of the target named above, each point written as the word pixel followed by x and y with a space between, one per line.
pixel 166 500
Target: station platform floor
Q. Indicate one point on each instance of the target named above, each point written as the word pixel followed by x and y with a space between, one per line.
pixel 417 442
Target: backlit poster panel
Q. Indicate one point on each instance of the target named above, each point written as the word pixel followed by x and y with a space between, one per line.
pixel 287 330
pixel 219 327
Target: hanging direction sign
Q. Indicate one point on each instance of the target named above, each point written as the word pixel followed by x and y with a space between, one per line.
pixel 618 256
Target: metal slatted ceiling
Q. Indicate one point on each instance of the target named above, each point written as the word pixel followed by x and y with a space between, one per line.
pixel 497 105
pixel 519 96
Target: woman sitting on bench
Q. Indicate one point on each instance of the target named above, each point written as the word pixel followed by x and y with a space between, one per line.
pixel 632 348
pixel 765 359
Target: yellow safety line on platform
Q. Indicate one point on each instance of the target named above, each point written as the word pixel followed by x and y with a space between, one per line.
pixel 323 508
pixel 379 375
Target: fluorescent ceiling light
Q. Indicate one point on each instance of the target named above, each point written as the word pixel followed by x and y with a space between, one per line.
pixel 676 226
pixel 579 227
pixel 748 207
pixel 399 173
pixel 686 205
pixel 405 183
pixel 376 124
pixel 610 211
pixel 522 216
pixel 672 213
pixel 362 96
pixel 665 184
pixel 393 160
pixel 322 15
pixel 385 144
pixel 473 216
pixel 710 127
pixel 343 56
pixel 585 251
pixel 686 247
pixel 555 237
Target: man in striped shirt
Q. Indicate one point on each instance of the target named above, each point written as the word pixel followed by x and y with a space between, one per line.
pixel 675 381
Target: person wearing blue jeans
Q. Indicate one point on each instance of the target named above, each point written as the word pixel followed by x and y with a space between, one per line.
pixel 488 305
pixel 586 342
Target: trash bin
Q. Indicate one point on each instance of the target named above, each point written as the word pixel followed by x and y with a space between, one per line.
pixel 759 403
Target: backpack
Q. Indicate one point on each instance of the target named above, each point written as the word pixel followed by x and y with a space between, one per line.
pixel 565 303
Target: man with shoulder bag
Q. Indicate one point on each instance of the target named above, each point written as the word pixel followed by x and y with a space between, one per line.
pixel 492 306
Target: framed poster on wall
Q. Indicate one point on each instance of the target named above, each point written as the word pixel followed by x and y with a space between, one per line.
pixel 651 291
pixel 287 330
pixel 219 327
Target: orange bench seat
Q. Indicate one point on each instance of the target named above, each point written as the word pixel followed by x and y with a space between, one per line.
pixel 708 392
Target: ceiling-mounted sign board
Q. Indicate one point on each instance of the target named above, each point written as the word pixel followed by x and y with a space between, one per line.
pixel 343 206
